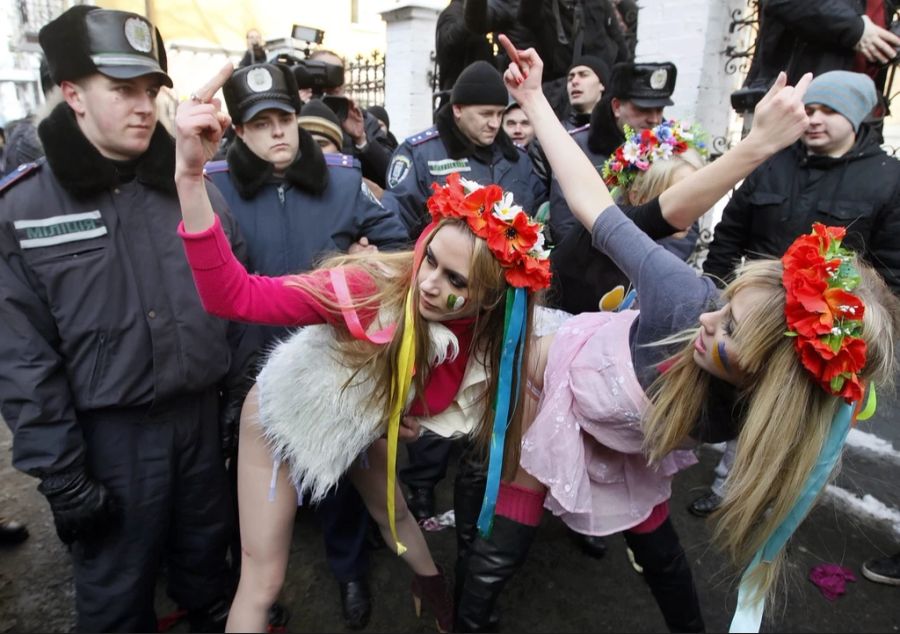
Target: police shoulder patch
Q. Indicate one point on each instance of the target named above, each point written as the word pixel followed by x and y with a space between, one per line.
pixel 399 170
pixel 215 167
pixel 20 173
pixel 422 137
pixel 342 160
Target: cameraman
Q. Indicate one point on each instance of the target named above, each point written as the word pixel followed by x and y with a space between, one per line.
pixel 363 136
pixel 817 37
pixel 255 54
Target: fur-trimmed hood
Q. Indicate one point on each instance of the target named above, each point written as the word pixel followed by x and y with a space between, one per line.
pixel 249 172
pixel 459 147
pixel 83 171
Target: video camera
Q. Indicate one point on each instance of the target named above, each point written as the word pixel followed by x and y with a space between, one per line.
pixel 312 74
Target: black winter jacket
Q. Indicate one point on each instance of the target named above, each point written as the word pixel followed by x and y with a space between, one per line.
pixel 799 37
pixel 98 307
pixel 781 199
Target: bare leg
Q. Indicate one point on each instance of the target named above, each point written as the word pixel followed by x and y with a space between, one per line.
pixel 536 366
pixel 372 486
pixel 266 526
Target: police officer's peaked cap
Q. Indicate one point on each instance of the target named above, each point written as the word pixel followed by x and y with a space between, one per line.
pixel 86 40
pixel 479 84
pixel 258 87
pixel 648 85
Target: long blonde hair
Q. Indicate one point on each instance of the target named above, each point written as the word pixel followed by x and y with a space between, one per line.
pixel 392 275
pixel 787 415
pixel 659 177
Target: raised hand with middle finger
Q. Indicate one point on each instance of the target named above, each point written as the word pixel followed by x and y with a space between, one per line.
pixel 199 126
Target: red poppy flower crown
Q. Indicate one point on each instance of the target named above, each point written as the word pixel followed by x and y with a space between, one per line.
pixel 513 238
pixel 823 315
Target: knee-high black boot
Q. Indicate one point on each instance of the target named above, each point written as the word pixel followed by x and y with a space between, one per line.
pixel 489 564
pixel 668 574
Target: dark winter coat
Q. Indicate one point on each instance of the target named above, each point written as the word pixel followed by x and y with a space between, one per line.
pixel 98 307
pixel 783 197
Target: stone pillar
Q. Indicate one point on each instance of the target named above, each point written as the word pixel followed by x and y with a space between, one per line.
pixel 693 34
pixel 410 41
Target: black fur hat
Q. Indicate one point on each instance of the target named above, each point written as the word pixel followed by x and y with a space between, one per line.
pixel 85 40
pixel 258 87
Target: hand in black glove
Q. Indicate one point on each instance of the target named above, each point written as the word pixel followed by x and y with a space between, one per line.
pixel 81 507
pixel 229 424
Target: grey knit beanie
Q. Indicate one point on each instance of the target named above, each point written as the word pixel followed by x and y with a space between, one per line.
pixel 850 94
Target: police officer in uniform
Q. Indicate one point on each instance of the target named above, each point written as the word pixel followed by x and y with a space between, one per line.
pixel 110 369
pixel 467 138
pixel 294 204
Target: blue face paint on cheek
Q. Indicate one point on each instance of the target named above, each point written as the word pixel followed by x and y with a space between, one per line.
pixel 720 356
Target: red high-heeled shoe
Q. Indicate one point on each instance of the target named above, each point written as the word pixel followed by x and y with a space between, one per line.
pixel 434 593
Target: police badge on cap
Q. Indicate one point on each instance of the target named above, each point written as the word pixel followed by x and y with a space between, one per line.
pixel 648 85
pixel 258 87
pixel 86 40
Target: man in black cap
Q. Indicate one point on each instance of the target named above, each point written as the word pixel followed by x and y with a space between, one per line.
pixel 467 138
pixel 585 83
pixel 293 205
pixel 111 372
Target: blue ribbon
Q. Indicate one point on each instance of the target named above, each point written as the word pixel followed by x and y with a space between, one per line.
pixel 513 339
pixel 748 616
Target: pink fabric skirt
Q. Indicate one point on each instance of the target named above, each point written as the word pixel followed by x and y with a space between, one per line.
pixel 585 442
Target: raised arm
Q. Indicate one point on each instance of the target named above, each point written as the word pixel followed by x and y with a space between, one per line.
pixel 778 121
pixel 579 180
pixel 199 126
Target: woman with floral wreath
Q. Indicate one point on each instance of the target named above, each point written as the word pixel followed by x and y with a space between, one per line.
pixel 792 345
pixel 435 336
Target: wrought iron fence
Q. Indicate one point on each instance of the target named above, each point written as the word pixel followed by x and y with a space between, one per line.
pixel 365 79
pixel 744 27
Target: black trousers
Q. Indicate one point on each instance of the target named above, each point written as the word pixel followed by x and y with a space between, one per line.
pixel 344 520
pixel 428 460
pixel 164 467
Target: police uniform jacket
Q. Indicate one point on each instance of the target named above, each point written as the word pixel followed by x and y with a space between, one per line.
pixel 320 206
pixel 98 307
pixel 430 156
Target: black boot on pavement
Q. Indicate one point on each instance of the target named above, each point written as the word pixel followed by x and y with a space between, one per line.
pixel 591 545
pixel 356 603
pixel 885 570
pixel 421 503
pixel 12 532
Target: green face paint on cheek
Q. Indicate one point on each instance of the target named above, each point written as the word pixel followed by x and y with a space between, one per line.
pixel 455 302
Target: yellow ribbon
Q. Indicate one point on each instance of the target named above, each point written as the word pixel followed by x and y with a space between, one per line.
pixel 400 383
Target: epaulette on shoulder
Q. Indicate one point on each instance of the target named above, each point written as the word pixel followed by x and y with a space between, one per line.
pixel 342 160
pixel 215 167
pixel 586 126
pixel 422 137
pixel 20 173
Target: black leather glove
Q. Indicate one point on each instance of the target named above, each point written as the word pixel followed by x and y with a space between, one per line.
pixel 230 422
pixel 81 507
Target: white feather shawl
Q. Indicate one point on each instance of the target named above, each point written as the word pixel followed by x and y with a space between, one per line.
pixel 318 427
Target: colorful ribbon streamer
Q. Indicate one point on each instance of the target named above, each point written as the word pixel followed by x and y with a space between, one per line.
pixel 342 292
pixel 406 361
pixel 513 339
pixel 749 613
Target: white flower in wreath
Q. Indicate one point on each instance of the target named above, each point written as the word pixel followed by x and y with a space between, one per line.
pixel 631 151
pixel 506 209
